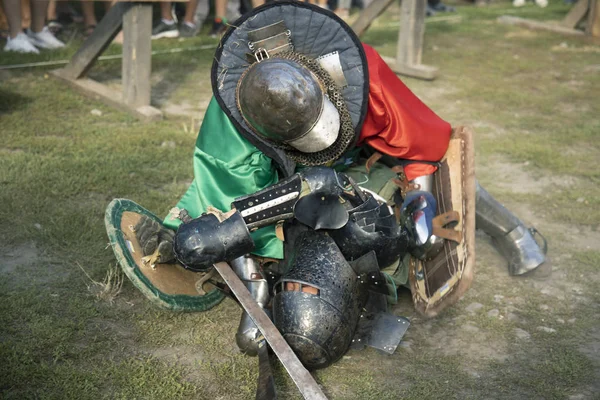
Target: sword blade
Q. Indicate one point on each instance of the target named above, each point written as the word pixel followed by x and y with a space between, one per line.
pixel 265 388
pixel 308 387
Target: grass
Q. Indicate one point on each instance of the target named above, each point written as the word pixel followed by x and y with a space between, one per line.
pixel 531 97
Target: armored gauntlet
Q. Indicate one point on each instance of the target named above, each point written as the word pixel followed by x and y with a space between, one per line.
pixel 206 240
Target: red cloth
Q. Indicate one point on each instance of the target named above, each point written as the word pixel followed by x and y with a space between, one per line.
pixel 398 123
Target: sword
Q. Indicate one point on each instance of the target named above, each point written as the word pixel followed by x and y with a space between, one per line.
pixel 265 387
pixel 308 387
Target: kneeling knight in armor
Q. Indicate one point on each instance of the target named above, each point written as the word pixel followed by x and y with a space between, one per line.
pixel 326 184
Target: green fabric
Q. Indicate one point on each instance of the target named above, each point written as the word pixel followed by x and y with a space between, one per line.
pixel 399 272
pixel 227 166
pixel 379 179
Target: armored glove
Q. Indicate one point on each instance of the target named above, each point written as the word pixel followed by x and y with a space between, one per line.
pixel 156 240
pixel 212 238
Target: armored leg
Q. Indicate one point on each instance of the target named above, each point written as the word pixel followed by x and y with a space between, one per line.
pixel 512 239
pixel 249 272
pixel 317 302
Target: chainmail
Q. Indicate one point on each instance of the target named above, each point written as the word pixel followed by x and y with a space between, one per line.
pixel 346 135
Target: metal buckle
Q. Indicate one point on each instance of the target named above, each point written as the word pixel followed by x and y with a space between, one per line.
pixel 261 54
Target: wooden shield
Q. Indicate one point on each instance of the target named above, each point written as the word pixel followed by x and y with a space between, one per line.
pixel 441 280
pixel 169 286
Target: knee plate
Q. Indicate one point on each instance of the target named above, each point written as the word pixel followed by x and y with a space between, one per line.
pixel 317 303
pixel 512 239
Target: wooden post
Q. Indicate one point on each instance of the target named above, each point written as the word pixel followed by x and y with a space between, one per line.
pixel 409 50
pixel 412 29
pixel 593 22
pixel 569 23
pixel 410 37
pixel 368 15
pixel 136 19
pixel 532 24
pixel 98 41
pixel 576 14
pixel 137 54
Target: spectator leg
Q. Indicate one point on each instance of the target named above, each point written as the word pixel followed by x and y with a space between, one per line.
pixel 190 11
pixel 221 9
pixel 38 15
pixel 165 11
pixel 12 9
pixel 89 17
pixel 51 13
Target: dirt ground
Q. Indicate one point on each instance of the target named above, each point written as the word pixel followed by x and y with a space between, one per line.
pixel 67 331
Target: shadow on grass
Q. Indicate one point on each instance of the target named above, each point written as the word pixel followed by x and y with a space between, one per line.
pixel 12 101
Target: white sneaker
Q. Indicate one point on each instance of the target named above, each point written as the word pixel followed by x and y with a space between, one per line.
pixel 518 3
pixel 541 3
pixel 20 44
pixel 44 39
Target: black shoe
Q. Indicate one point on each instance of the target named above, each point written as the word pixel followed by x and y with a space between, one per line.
pixel 164 30
pixel 187 30
pixel 218 28
pixel 55 27
pixel 441 7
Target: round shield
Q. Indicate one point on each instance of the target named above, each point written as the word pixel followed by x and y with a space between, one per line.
pixel 169 286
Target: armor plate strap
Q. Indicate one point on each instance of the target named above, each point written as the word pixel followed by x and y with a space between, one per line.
pixel 270 205
pixel 274 38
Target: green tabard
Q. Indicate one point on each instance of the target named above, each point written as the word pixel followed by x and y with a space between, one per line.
pixel 227 166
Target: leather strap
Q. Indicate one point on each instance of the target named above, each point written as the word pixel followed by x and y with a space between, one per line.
pixel 440 221
pixel 372 160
